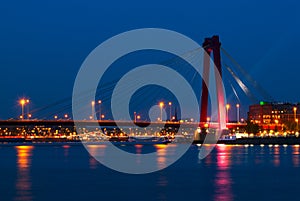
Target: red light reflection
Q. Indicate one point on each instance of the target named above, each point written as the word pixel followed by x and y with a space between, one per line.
pixel 223 181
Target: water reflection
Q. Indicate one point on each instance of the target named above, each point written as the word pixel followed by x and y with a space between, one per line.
pixel 162 184
pixel 161 151
pixel 296 150
pixel 223 180
pixel 95 150
pixel 164 152
pixel 66 150
pixel 276 155
pixel 296 155
pixel 259 158
pixel 138 150
pixel 23 183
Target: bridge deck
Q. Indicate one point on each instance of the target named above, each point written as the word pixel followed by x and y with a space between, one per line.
pixel 67 123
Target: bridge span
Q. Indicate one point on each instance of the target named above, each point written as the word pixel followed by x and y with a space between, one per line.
pixel 110 123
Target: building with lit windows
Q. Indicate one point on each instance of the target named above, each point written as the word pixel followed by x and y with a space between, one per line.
pixel 269 114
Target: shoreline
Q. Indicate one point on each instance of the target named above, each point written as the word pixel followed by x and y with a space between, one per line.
pixel 240 141
pixel 258 141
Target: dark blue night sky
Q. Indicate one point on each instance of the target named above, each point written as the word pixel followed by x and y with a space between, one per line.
pixel 43 43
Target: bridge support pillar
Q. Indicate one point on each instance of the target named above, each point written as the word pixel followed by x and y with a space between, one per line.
pixel 211 46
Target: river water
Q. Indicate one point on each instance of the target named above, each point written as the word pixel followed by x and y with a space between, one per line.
pixel 67 172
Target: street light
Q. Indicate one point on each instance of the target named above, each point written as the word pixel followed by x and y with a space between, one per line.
pixel 295 112
pixel 134 117
pixel 297 121
pixel 93 109
pixel 99 102
pixel 22 103
pixel 208 121
pixel 28 115
pixel 227 116
pixel 238 113
pixel 170 105
pixel 161 105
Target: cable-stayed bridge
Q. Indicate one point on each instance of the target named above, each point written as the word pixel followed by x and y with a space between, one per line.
pixel 237 81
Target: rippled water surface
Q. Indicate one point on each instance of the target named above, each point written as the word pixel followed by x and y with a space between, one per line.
pixel 68 172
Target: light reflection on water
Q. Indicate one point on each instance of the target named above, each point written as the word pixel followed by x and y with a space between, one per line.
pixel 66 150
pixel 95 151
pixel 163 153
pixel 23 183
pixel 276 155
pixel 162 184
pixel 223 180
pixel 296 153
pixel 223 162
pixel 138 149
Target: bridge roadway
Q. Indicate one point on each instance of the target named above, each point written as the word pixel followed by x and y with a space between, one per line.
pixel 110 123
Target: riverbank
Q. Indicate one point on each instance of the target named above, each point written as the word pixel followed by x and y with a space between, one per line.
pixel 258 141
pixel 240 141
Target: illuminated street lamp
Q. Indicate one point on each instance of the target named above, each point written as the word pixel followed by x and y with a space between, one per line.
pixel 238 113
pixel 100 102
pixel 55 117
pixel 22 103
pixel 170 105
pixel 297 121
pixel 93 109
pixel 295 112
pixel 66 116
pixel 161 105
pixel 227 109
pixel 134 116
pixel 208 121
pixel 27 102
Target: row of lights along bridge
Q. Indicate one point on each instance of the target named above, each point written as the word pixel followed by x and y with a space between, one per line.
pixel 25 102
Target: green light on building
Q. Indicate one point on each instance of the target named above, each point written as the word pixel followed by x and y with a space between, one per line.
pixel 261 102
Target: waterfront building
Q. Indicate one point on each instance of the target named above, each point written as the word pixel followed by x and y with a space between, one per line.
pixel 275 115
